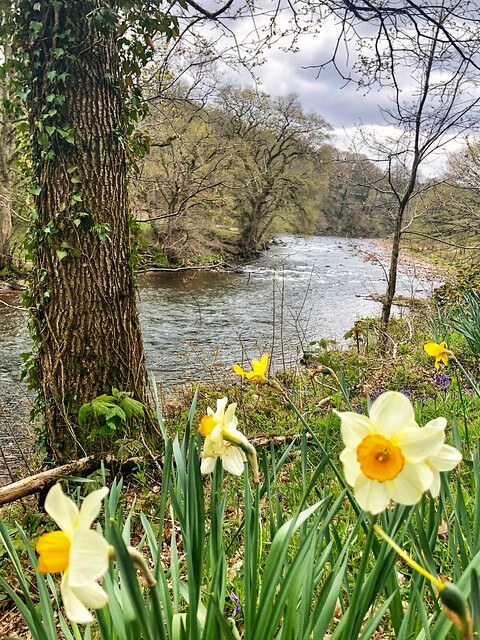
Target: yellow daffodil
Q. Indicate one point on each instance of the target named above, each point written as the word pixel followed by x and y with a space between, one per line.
pixel 388 456
pixel 223 440
pixel 259 369
pixel 438 351
pixel 80 553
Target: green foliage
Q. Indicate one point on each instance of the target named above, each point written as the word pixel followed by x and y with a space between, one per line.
pixel 467 320
pixel 108 415
pixel 253 567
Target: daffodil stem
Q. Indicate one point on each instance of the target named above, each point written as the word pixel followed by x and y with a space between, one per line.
pixel 410 561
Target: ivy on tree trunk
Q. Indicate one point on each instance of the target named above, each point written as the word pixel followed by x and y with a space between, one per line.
pixel 82 297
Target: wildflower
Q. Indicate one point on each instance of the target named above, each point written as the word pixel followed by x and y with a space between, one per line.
pixel 443 380
pixel 80 553
pixel 438 351
pixel 388 456
pixel 223 440
pixel 454 603
pixel 238 604
pixel 259 369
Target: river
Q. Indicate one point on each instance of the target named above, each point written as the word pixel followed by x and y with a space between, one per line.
pixel 196 323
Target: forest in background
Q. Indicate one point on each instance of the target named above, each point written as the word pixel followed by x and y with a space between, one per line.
pixel 218 170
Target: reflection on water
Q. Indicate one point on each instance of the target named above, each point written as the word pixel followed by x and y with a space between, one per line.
pixel 198 323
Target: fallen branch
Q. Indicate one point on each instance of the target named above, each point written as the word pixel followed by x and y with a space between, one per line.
pixel 45 479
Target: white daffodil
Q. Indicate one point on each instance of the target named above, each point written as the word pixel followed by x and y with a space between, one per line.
pixel 388 456
pixel 445 459
pixel 76 550
pixel 222 439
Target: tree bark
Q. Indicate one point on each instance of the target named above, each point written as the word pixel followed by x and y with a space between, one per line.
pixel 83 292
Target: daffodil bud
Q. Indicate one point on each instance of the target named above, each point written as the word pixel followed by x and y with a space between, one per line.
pixel 455 607
pixel 140 564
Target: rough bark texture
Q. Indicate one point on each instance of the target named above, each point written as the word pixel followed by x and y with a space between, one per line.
pixel 6 226
pixel 83 297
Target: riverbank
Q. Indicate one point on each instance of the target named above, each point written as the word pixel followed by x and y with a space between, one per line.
pixel 410 262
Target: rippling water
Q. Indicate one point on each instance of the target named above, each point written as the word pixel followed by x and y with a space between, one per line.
pixel 196 324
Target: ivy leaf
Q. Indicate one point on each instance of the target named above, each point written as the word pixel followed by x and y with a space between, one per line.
pixel 35 190
pixel 50 129
pixel 61 254
pixel 43 139
pixel 67 135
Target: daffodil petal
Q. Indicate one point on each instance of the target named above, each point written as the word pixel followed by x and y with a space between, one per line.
pixel 391 413
pixel 220 412
pixel 371 495
pixel 91 595
pixel 238 369
pixel 436 484
pixel 233 461
pixel 351 466
pixel 230 414
pixel 62 509
pixel 410 484
pixel 74 608
pixel 417 443
pixel 437 422
pixel 263 364
pixel 90 507
pixel 354 427
pixel 213 444
pixel 433 349
pixel 89 557
pixel 208 465
pixel 445 459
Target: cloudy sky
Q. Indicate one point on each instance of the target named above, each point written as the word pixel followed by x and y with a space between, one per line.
pixel 343 104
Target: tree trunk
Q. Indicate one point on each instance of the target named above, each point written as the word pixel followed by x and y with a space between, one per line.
pixel 6 226
pixel 83 293
pixel 392 276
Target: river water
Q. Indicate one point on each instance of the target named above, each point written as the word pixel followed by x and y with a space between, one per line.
pixel 196 323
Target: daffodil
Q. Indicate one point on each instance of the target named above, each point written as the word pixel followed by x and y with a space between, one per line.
pixel 438 351
pixel 388 456
pixel 259 369
pixel 223 440
pixel 80 553
pixel 445 459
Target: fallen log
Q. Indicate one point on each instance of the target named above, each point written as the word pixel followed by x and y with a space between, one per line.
pixel 45 479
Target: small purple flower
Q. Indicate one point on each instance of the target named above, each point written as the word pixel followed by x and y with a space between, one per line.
pixel 358 409
pixel 443 380
pixel 406 392
pixel 375 394
pixel 238 606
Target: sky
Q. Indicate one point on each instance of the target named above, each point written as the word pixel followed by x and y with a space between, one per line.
pixel 342 104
